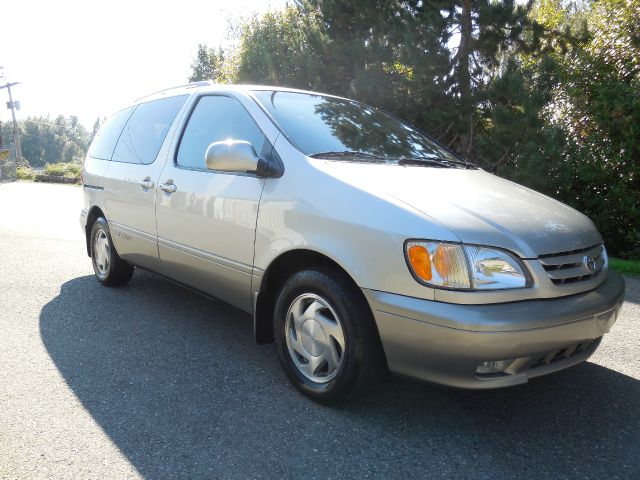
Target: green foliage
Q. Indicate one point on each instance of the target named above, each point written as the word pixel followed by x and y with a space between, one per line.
pixel 544 92
pixel 94 131
pixel 594 162
pixel 24 173
pixel 44 140
pixel 208 65
pixel 404 57
pixel 278 49
pixel 71 170
pixel 626 267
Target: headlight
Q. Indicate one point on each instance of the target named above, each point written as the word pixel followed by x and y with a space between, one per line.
pixel 467 267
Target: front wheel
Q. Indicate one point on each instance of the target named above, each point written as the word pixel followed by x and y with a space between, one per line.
pixel 326 337
pixel 109 268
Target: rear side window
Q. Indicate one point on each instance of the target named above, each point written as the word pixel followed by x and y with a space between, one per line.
pixel 105 140
pixel 146 129
pixel 216 118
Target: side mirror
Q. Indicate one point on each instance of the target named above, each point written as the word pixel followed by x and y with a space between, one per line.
pixel 232 156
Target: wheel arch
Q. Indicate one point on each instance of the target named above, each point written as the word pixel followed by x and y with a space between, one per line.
pixel 94 213
pixel 281 268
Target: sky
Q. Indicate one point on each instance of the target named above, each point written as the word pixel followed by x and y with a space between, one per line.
pixel 89 58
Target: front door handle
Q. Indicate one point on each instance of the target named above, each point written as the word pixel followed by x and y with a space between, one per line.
pixel 147 184
pixel 168 187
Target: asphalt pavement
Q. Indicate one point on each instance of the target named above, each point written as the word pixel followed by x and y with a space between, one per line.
pixel 153 381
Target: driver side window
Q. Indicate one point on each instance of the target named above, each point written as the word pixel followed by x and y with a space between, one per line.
pixel 214 119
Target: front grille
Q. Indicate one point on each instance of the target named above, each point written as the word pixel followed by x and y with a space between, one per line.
pixel 574 266
pixel 563 353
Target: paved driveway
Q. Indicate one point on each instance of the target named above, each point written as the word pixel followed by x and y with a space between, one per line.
pixel 151 380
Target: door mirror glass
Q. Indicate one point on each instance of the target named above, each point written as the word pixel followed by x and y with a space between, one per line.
pixel 231 156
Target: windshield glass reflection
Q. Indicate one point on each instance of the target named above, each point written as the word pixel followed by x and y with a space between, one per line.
pixel 341 129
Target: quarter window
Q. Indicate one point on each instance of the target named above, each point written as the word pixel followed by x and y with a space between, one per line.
pixel 146 129
pixel 214 119
pixel 105 140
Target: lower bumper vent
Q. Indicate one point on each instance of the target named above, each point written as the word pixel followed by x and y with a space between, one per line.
pixel 564 353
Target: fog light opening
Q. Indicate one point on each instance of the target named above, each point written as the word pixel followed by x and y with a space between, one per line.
pixel 493 367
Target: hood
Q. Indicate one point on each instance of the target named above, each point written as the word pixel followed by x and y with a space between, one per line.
pixel 476 206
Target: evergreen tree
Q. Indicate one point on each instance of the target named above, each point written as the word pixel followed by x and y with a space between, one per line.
pixel 435 63
pixel 51 141
pixel 208 65
pixel 545 92
pixel 593 113
pixel 94 130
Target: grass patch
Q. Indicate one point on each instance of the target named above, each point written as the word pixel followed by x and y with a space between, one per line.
pixel 625 267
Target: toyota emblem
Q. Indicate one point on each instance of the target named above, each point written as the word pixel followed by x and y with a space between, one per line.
pixel 590 263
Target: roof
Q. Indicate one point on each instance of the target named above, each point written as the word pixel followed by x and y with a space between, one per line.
pixel 208 85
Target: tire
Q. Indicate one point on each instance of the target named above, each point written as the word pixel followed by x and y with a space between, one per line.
pixel 109 268
pixel 312 308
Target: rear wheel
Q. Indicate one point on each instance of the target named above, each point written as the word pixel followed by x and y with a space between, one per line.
pixel 109 268
pixel 326 337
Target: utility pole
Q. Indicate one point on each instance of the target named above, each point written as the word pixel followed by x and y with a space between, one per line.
pixel 16 134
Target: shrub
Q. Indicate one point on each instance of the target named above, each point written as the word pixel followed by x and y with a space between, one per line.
pixel 57 169
pixel 69 170
pixel 24 173
pixel 74 169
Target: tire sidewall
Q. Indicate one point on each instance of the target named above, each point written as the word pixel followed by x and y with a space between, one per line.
pixel 101 224
pixel 318 283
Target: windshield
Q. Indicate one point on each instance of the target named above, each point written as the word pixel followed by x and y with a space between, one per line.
pixel 340 129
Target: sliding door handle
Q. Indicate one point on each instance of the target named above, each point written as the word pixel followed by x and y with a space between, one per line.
pixel 146 184
pixel 168 187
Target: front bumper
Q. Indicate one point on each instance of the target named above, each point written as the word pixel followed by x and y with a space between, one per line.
pixel 445 343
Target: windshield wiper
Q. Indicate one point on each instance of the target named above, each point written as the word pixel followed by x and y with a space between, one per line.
pixel 355 156
pixel 433 162
pixel 424 162
pixel 345 154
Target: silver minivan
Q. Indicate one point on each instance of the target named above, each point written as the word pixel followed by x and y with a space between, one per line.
pixel 359 244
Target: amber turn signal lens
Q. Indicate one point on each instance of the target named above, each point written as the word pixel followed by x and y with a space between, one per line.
pixel 419 259
pixel 441 261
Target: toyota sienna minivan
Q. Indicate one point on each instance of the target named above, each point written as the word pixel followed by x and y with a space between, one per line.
pixel 358 244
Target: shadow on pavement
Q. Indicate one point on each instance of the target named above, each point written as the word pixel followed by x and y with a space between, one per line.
pixel 632 290
pixel 179 385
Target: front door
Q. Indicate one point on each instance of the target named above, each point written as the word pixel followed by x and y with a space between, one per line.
pixel 132 178
pixel 207 219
